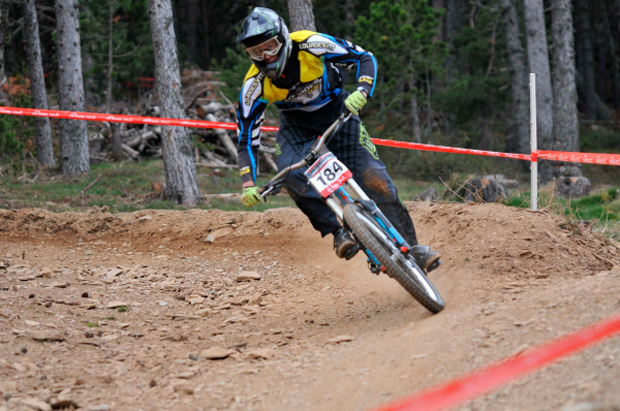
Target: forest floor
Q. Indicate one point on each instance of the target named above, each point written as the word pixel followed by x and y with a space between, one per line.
pixel 206 309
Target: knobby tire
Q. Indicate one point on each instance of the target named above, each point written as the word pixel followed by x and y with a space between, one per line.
pixel 398 265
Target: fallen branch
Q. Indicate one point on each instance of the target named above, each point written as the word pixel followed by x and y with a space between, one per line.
pixel 131 152
pixel 90 185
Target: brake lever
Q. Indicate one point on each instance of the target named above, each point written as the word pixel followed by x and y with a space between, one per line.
pixel 268 189
pixel 265 190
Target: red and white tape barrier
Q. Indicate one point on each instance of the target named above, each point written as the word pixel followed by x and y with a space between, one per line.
pixel 445 149
pixel 494 376
pixel 594 158
pixel 121 118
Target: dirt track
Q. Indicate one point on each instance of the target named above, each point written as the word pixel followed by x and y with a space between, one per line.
pixel 121 312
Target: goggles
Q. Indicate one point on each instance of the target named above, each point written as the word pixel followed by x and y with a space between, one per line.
pixel 269 47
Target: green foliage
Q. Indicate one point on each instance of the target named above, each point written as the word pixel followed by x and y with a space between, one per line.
pixel 16 132
pixel 596 138
pixel 131 42
pixel 600 210
pixel 477 98
pixel 233 68
pixel 10 143
pixel 433 165
pixel 473 47
pixel 401 34
pixel 471 97
pixel 597 206
pixel 330 17
pixel 401 31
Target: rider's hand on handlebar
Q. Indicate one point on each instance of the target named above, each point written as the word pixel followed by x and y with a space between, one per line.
pixel 251 196
pixel 355 102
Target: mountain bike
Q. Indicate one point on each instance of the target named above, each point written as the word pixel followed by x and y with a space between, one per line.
pixel 386 249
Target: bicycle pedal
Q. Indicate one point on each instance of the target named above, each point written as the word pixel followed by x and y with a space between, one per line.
pixel 434 265
pixel 374 268
pixel 351 251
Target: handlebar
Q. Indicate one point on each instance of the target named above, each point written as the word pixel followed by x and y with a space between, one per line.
pixel 308 160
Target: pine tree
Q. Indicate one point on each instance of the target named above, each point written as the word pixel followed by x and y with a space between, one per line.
pixel 74 150
pixel 181 182
pixel 43 132
pixel 117 46
pixel 401 34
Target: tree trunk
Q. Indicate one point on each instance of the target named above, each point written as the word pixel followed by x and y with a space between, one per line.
pixel 115 131
pixel 4 26
pixel 614 67
pixel 602 47
pixel 110 69
pixel 74 150
pixel 190 23
pixel 349 12
pixel 518 130
pixel 565 123
pixel 585 55
pixel 413 107
pixel 301 16
pixel 117 141
pixel 452 25
pixel 566 127
pixel 43 133
pixel 538 57
pixel 181 183
pixel 193 15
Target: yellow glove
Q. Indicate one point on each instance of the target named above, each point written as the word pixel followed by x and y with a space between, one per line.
pixel 355 102
pixel 251 196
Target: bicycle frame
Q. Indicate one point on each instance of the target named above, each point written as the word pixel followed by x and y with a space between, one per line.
pixel 310 158
pixel 347 192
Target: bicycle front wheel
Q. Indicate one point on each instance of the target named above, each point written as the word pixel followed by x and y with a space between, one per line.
pixel 398 265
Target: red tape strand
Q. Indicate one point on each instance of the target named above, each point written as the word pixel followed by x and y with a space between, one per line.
pixel 445 149
pixel 121 118
pixel 594 158
pixel 473 385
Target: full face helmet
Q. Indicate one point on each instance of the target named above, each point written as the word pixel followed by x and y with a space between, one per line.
pixel 264 35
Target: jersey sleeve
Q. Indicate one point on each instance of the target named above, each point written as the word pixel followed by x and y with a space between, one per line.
pixel 250 117
pixel 340 51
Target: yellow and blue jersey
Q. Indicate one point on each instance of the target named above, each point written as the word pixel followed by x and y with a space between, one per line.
pixel 311 79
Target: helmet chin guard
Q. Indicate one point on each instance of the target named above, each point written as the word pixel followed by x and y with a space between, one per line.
pixel 260 26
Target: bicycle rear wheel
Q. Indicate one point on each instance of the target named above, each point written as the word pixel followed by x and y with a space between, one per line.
pixel 400 266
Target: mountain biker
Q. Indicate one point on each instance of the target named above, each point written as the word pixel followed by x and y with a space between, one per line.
pixel 302 73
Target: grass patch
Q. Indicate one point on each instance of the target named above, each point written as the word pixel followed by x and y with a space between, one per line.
pixel 130 186
pixel 601 210
pixel 122 187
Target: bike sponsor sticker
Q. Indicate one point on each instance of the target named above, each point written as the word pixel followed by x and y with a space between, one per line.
pixel 328 45
pixel 328 174
pixel 366 79
pixel 306 93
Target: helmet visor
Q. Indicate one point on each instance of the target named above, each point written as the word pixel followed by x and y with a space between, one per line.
pixel 269 47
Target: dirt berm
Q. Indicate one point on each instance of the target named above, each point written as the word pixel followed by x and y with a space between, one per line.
pixel 203 310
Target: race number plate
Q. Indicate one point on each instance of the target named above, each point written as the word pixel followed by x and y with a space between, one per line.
pixel 327 174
